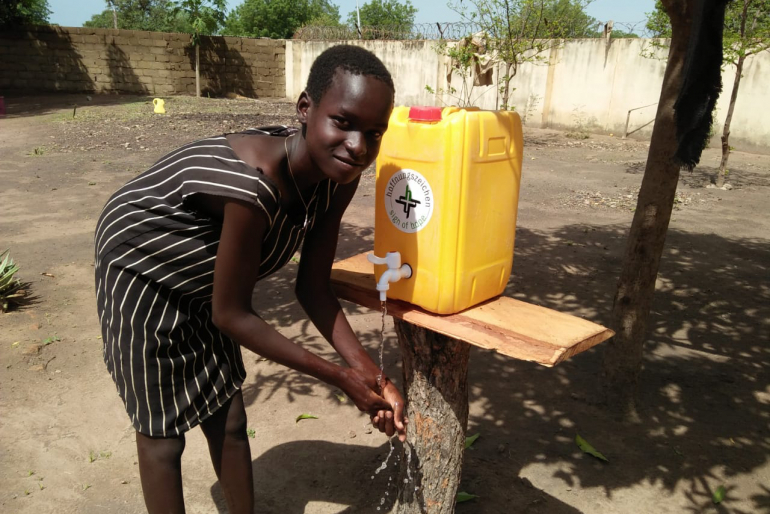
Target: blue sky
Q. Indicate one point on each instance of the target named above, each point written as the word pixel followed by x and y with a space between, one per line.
pixel 72 13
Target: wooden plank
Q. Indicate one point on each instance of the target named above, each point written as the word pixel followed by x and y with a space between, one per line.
pixel 508 326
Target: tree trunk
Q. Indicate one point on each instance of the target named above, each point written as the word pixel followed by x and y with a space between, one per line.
pixel 114 17
pixel 636 285
pixel 436 386
pixel 506 87
pixel 198 70
pixel 726 131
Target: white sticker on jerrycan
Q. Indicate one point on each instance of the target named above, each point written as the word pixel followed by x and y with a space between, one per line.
pixel 409 200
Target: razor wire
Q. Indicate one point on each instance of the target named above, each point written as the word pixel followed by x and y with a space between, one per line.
pixel 416 31
pixel 452 31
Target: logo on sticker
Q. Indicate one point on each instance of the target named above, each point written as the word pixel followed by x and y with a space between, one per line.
pixel 409 201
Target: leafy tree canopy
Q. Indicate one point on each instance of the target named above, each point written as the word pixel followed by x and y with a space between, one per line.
pixel 279 19
pixel 152 15
pixel 23 12
pixel 206 16
pixel 747 27
pixel 385 13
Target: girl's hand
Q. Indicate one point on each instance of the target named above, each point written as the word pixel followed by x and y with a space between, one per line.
pixel 356 385
pixel 391 420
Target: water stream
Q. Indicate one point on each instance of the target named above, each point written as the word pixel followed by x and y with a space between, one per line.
pixel 407 448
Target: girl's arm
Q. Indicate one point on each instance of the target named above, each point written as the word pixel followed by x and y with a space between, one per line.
pixel 235 274
pixel 315 294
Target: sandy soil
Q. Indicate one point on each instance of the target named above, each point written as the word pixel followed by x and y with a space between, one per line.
pixel 67 445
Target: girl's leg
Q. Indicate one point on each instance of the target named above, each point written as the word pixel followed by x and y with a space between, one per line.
pixel 229 447
pixel 160 469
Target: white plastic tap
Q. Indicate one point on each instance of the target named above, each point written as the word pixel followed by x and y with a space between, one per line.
pixel 395 272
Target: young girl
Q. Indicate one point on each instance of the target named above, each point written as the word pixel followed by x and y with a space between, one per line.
pixel 180 248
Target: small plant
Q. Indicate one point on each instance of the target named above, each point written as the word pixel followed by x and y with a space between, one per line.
pixel 10 287
pixel 92 456
pixel 462 55
pixel 580 130
pixel 251 433
pixel 38 151
pixel 51 339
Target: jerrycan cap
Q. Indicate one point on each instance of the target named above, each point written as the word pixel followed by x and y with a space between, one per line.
pixel 425 113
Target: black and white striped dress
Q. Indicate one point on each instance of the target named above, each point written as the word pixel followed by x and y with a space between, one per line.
pixel 154 282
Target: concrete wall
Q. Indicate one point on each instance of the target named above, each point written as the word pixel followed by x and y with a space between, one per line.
pixel 413 65
pixel 586 82
pixel 107 60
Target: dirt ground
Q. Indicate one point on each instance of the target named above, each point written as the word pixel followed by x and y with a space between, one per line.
pixel 67 444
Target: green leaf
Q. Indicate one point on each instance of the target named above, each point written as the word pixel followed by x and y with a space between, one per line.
pixel 52 339
pixel 462 496
pixel 719 495
pixel 587 448
pixel 305 416
pixel 470 440
pixel 251 433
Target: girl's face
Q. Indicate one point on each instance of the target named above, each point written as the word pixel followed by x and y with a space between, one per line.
pixel 344 130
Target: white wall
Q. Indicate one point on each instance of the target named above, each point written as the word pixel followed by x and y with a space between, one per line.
pixel 588 81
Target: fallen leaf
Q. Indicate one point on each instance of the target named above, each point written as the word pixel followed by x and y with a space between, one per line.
pixel 305 416
pixel 470 440
pixel 48 275
pixel 464 497
pixel 719 495
pixel 341 397
pixel 587 448
pixel 16 344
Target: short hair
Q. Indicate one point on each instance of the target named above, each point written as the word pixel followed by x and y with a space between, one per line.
pixel 353 59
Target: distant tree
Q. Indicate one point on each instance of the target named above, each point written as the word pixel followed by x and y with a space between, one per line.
pixel 279 19
pixel 521 31
pixel 23 12
pixel 152 15
pixel 746 32
pixel 622 34
pixel 658 22
pixel 385 13
pixel 206 17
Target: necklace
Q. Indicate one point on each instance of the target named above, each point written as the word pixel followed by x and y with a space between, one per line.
pixel 291 174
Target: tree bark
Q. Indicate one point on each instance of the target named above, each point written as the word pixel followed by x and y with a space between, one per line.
pixel 726 131
pixel 506 87
pixel 198 70
pixel 436 386
pixel 636 285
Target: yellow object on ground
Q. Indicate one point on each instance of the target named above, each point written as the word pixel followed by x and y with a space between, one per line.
pixel 159 104
pixel 446 198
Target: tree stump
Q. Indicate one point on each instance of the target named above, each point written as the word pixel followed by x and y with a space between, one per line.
pixel 436 387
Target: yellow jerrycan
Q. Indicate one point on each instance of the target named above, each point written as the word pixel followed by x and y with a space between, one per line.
pixel 447 196
pixel 159 105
